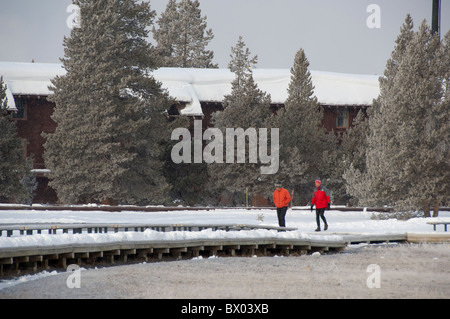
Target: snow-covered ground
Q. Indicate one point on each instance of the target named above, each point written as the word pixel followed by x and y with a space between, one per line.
pixel 339 223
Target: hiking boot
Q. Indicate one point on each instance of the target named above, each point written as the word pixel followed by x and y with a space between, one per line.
pixel 317 229
pixel 326 227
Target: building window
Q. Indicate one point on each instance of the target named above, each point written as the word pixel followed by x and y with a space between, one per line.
pixel 21 113
pixel 342 119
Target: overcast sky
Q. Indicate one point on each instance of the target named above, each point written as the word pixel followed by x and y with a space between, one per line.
pixel 333 33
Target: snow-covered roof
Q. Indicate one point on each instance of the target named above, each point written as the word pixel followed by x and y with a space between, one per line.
pixel 205 85
pixel 28 78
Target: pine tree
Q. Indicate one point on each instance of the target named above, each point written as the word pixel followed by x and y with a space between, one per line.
pixel 432 164
pixel 245 107
pixel 187 180
pixel 392 65
pixel 442 130
pixel 182 36
pixel 419 88
pixel 17 183
pixel 109 109
pixel 407 146
pixel 360 183
pixel 352 152
pixel 304 144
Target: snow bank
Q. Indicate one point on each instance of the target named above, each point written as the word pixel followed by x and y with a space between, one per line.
pixel 152 235
pixel 339 223
pixel 26 278
pixel 206 85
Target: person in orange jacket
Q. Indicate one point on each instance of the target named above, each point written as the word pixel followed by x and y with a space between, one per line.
pixel 322 202
pixel 281 199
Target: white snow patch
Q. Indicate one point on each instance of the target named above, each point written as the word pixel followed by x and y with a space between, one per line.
pixel 26 278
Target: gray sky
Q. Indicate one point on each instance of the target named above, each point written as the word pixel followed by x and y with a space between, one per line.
pixel 333 33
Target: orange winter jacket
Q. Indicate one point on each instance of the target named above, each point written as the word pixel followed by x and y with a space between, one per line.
pixel 281 198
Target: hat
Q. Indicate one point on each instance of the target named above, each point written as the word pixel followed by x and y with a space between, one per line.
pixel 318 181
pixel 277 184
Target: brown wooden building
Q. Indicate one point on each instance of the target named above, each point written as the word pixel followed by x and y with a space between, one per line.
pixel 32 119
pixel 199 93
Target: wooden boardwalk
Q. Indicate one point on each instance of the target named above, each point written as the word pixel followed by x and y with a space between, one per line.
pixel 428 238
pixel 36 258
pixel 18 260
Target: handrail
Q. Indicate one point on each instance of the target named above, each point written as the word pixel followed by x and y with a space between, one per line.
pixel 78 228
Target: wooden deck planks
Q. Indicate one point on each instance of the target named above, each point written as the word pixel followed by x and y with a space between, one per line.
pixel 32 258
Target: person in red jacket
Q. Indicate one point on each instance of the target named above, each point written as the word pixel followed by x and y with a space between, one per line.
pixel 281 199
pixel 322 202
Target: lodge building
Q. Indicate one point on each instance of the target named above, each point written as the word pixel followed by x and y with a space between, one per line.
pixel 198 94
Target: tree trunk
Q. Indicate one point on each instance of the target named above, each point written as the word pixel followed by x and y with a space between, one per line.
pixel 110 202
pixel 436 208
pixel 426 209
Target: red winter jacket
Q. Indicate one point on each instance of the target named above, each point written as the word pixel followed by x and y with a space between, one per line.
pixel 320 198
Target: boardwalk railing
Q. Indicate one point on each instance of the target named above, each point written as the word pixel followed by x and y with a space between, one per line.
pixel 32 229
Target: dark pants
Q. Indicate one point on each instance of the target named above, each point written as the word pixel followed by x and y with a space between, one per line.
pixel 281 213
pixel 320 213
